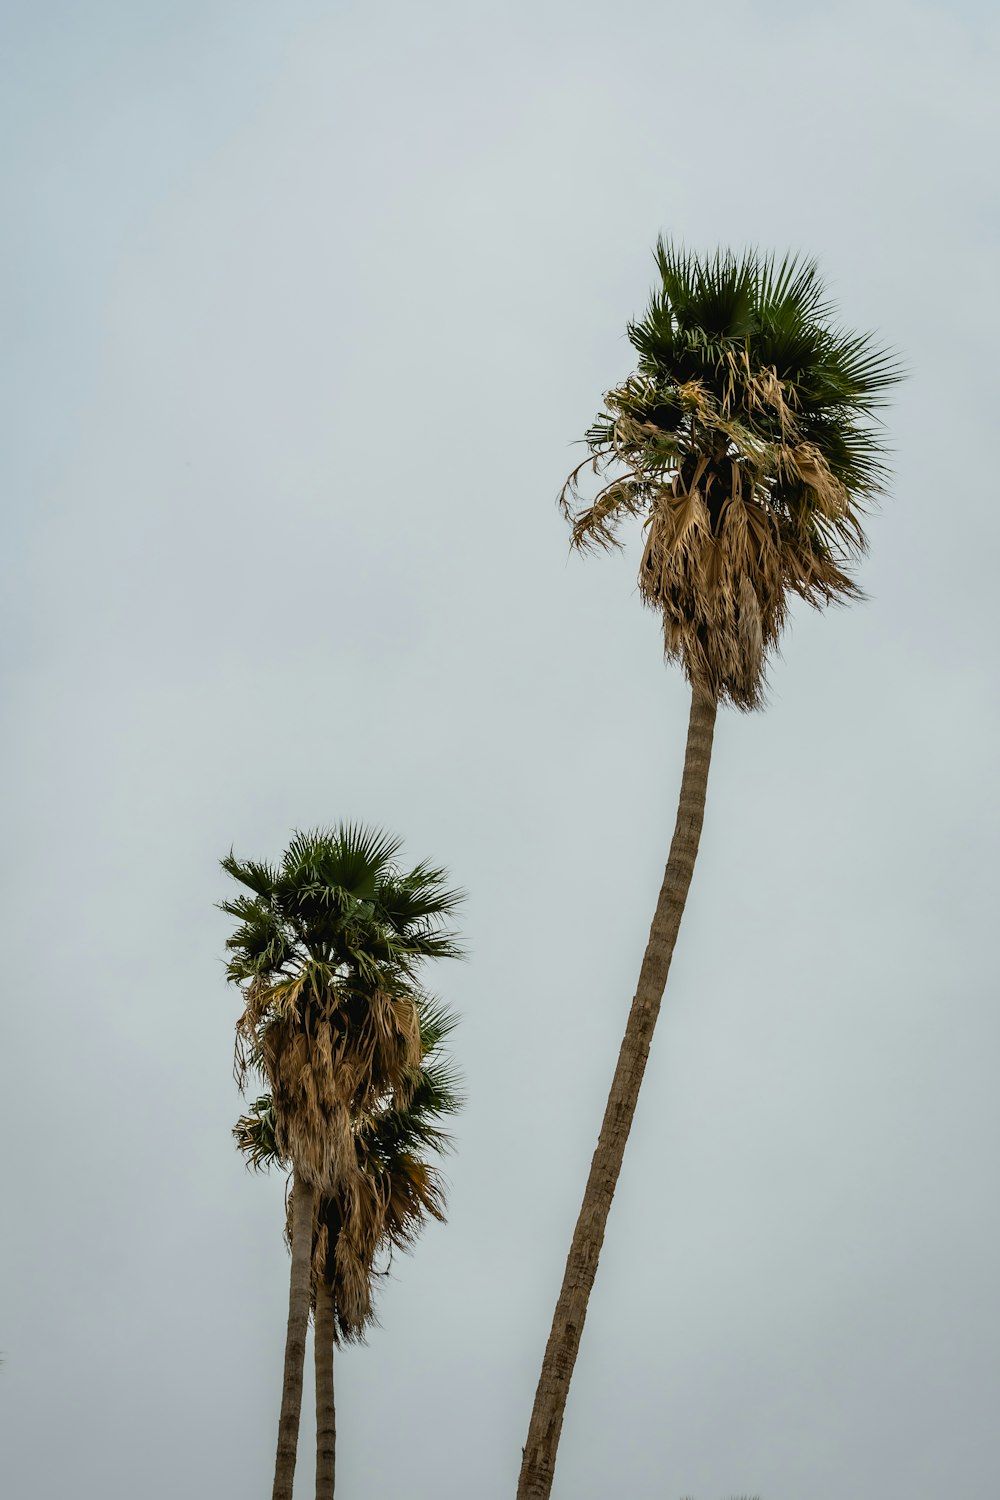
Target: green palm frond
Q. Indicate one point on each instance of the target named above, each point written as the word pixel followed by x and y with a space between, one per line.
pixel 420 893
pixel 339 898
pixel 254 1136
pixel 260 878
pixel 437 1023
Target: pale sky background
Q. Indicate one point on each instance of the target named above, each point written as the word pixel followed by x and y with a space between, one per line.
pixel 306 305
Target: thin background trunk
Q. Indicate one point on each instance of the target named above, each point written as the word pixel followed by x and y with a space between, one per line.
pixel 539 1459
pixel 326 1417
pixel 295 1340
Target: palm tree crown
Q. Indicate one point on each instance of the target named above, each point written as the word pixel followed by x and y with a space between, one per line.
pixel 327 951
pixel 745 441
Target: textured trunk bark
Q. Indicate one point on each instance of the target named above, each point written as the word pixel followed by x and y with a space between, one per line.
pixel 326 1417
pixel 295 1340
pixel 539 1456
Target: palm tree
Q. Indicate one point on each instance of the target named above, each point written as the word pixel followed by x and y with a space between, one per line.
pixel 399 1191
pixel 745 443
pixel 327 952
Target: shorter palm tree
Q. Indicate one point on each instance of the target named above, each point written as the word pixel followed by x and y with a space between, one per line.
pixel 383 1208
pixel 327 953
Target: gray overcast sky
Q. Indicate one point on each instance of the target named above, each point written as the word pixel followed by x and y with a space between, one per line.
pixel 306 305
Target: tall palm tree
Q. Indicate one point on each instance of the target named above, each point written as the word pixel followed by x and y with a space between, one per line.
pixel 327 953
pixel 745 441
pixel 399 1191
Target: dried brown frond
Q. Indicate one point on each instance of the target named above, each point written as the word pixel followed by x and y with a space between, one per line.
pixel 246 1059
pixel 375 1210
pixel 722 554
pixel 326 1052
pixel 595 526
pixel 363 1209
pixel 762 390
pixel 720 591
pixel 807 464
pixel 571 489
pixel 416 1190
pixel 380 1211
pixel 693 395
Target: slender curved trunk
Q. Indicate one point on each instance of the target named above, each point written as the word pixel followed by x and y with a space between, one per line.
pixel 539 1454
pixel 326 1417
pixel 303 1197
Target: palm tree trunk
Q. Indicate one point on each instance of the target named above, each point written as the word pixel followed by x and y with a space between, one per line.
pixel 539 1454
pixel 326 1417
pixel 303 1196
